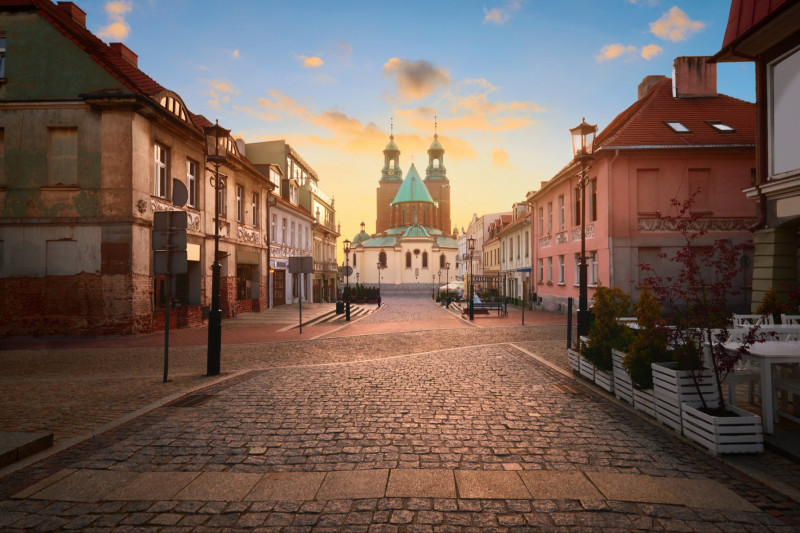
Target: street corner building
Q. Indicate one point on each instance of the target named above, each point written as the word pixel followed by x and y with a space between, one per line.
pixel 90 149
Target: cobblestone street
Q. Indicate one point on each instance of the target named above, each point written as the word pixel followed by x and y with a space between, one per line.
pixel 440 425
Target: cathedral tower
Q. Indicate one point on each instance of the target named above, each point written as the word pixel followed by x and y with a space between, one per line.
pixel 391 179
pixel 438 185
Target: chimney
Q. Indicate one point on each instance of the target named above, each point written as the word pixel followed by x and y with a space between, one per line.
pixel 76 13
pixel 694 77
pixel 647 83
pixel 126 53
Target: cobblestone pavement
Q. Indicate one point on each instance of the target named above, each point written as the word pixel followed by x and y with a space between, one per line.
pixel 460 399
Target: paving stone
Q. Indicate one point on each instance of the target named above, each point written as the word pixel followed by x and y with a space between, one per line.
pixel 428 483
pixel 635 488
pixel 219 486
pixel 708 494
pixel 557 485
pixel 354 484
pixel 85 486
pixel 286 486
pixel 153 486
pixel 474 484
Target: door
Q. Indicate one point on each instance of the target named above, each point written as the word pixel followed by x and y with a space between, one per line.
pixel 279 287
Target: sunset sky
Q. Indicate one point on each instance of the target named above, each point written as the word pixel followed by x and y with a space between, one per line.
pixel 507 79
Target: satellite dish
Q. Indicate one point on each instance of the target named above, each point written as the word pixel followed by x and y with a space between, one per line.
pixel 179 193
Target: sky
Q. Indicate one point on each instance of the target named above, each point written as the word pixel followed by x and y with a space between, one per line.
pixel 502 81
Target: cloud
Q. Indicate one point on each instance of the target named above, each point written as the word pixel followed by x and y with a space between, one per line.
pixel 675 25
pixel 415 79
pixel 500 158
pixel 650 51
pixel 311 61
pixel 235 54
pixel 219 92
pixel 343 50
pixel 500 15
pixel 117 29
pixel 613 51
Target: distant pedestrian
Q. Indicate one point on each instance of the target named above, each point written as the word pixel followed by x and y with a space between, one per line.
pixel 379 300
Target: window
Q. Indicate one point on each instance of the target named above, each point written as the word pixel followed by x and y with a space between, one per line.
pixel 577 203
pixel 2 57
pixel 677 127
pixel 592 275
pixel 561 219
pixel 721 126
pixel 541 270
pixel 549 270
pixel 294 234
pixel 550 217
pixel 441 260
pixel 239 203
pixel 541 221
pixel 510 249
pixel 191 181
pixel 592 200
pixel 254 207
pixel 160 171
pixel 284 236
pixel 527 244
pixel 62 156
pixel 784 113
pixel 577 269
pixel 382 259
pixel 518 246
pixel 355 256
pixel 273 231
pixel 2 158
pixel 424 259
pixel 408 259
pixel 560 269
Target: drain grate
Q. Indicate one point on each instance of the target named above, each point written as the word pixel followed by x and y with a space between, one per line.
pixel 192 400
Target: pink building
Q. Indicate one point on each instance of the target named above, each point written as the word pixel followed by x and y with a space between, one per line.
pixel 679 137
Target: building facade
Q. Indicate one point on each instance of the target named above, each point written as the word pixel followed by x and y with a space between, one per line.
pixel 513 244
pixel 92 148
pixel 679 139
pixel 768 33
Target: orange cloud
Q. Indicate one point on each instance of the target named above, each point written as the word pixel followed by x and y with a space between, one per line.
pixel 613 51
pixel 415 79
pixel 219 92
pixel 675 25
pixel 650 51
pixel 501 15
pixel 117 29
pixel 500 158
pixel 312 62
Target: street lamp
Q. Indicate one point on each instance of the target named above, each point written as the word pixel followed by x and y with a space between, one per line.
pixel 347 273
pixel 582 148
pixel 471 246
pixel 380 267
pixel 447 283
pixel 433 286
pixel 439 284
pixel 217 154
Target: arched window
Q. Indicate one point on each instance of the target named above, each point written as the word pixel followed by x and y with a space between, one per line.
pixel 391 164
pixel 424 259
pixel 436 163
pixel 408 259
pixel 382 259
pixel 441 261
pixel 354 259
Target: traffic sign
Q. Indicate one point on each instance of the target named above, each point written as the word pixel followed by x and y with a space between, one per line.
pixel 170 262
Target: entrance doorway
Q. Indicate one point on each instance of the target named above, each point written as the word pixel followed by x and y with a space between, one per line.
pixel 279 287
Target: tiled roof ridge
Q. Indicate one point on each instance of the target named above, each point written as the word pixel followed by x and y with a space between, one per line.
pixel 626 117
pixel 97 49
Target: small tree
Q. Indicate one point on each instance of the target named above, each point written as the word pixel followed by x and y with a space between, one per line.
pixel 650 343
pixel 696 298
pixel 606 332
pixel 772 305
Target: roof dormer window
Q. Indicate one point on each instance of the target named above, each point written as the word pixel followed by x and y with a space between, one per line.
pixel 677 127
pixel 721 126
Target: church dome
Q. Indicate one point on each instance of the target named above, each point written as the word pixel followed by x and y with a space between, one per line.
pixel 361 236
pixel 436 145
pixel 391 147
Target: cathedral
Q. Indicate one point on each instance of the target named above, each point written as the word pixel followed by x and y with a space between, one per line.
pixel 413 243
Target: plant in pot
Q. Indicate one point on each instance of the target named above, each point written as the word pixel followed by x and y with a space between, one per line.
pixel 771 304
pixel 606 333
pixel 695 298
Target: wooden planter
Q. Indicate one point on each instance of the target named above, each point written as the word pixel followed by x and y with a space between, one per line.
pixel 623 387
pixel 723 434
pixel 604 380
pixel 574 360
pixel 672 387
pixel 586 368
pixel 644 400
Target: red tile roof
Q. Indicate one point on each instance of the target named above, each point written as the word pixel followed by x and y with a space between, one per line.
pixel 746 15
pixel 643 123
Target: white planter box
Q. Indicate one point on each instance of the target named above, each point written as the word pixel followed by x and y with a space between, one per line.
pixel 644 401
pixel 586 368
pixel 723 434
pixel 623 387
pixel 604 380
pixel 672 387
pixel 574 360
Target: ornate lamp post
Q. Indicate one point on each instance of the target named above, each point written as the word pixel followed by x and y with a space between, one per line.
pixel 582 148
pixel 439 284
pixel 447 281
pixel 380 267
pixel 433 287
pixel 217 154
pixel 471 246
pixel 347 274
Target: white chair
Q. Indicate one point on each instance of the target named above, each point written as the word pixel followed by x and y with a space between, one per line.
pixel 744 374
pixel 784 388
pixel 751 320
